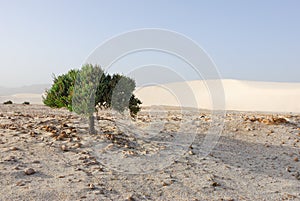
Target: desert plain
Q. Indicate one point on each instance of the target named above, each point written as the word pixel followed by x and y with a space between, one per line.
pixel 47 154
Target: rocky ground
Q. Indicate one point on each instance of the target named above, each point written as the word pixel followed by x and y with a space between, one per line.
pixel 46 154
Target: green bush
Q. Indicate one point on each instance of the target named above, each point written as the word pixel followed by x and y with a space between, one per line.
pixel 108 92
pixel 60 94
pixel 8 102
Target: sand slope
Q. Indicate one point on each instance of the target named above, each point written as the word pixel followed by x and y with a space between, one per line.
pixel 239 95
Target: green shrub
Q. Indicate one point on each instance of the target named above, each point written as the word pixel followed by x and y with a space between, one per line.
pixel 93 89
pixel 60 94
pixel 8 102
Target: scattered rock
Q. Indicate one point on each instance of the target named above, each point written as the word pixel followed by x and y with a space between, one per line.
pixel 64 148
pixel 29 171
pixel 296 159
pixel 130 198
pixel 20 183
pixel 215 184
pixel 91 186
pixel 32 134
pixel 13 149
pixel 77 145
pixel 297 175
pixel 10 159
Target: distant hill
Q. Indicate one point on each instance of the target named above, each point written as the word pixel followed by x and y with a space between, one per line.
pixel 30 89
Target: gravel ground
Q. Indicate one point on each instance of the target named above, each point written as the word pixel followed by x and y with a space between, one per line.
pixel 46 154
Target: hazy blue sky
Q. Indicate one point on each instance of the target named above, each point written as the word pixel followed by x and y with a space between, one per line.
pixel 253 40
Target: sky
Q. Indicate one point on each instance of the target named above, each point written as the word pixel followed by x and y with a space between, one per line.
pixel 247 40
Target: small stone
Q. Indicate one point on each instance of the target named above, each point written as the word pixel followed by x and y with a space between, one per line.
pixel 61 176
pixel 14 149
pixel 10 158
pixel 99 192
pixel 214 184
pixel 191 152
pixel 109 147
pixel 91 186
pixel 32 134
pixel 297 175
pixel 20 183
pixel 77 145
pixel 29 171
pixel 64 147
pixel 165 184
pixel 296 159
pixel 130 198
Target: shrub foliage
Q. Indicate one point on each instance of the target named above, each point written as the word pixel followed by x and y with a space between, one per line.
pixel 84 90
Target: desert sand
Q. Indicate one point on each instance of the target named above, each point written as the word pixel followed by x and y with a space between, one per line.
pixel 47 154
pixel 21 98
pixel 238 95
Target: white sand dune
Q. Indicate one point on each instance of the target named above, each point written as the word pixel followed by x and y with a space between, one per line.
pixel 21 98
pixel 238 95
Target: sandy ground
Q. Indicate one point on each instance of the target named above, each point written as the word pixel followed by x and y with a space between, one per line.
pixel 46 154
pixel 21 98
pixel 238 95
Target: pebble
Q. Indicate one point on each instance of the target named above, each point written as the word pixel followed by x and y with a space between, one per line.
pixel 77 145
pixel 29 171
pixel 10 158
pixel 214 184
pixel 32 134
pixel 130 198
pixel 64 147
pixel 20 183
pixel 14 149
pixel 296 159
pixel 91 186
